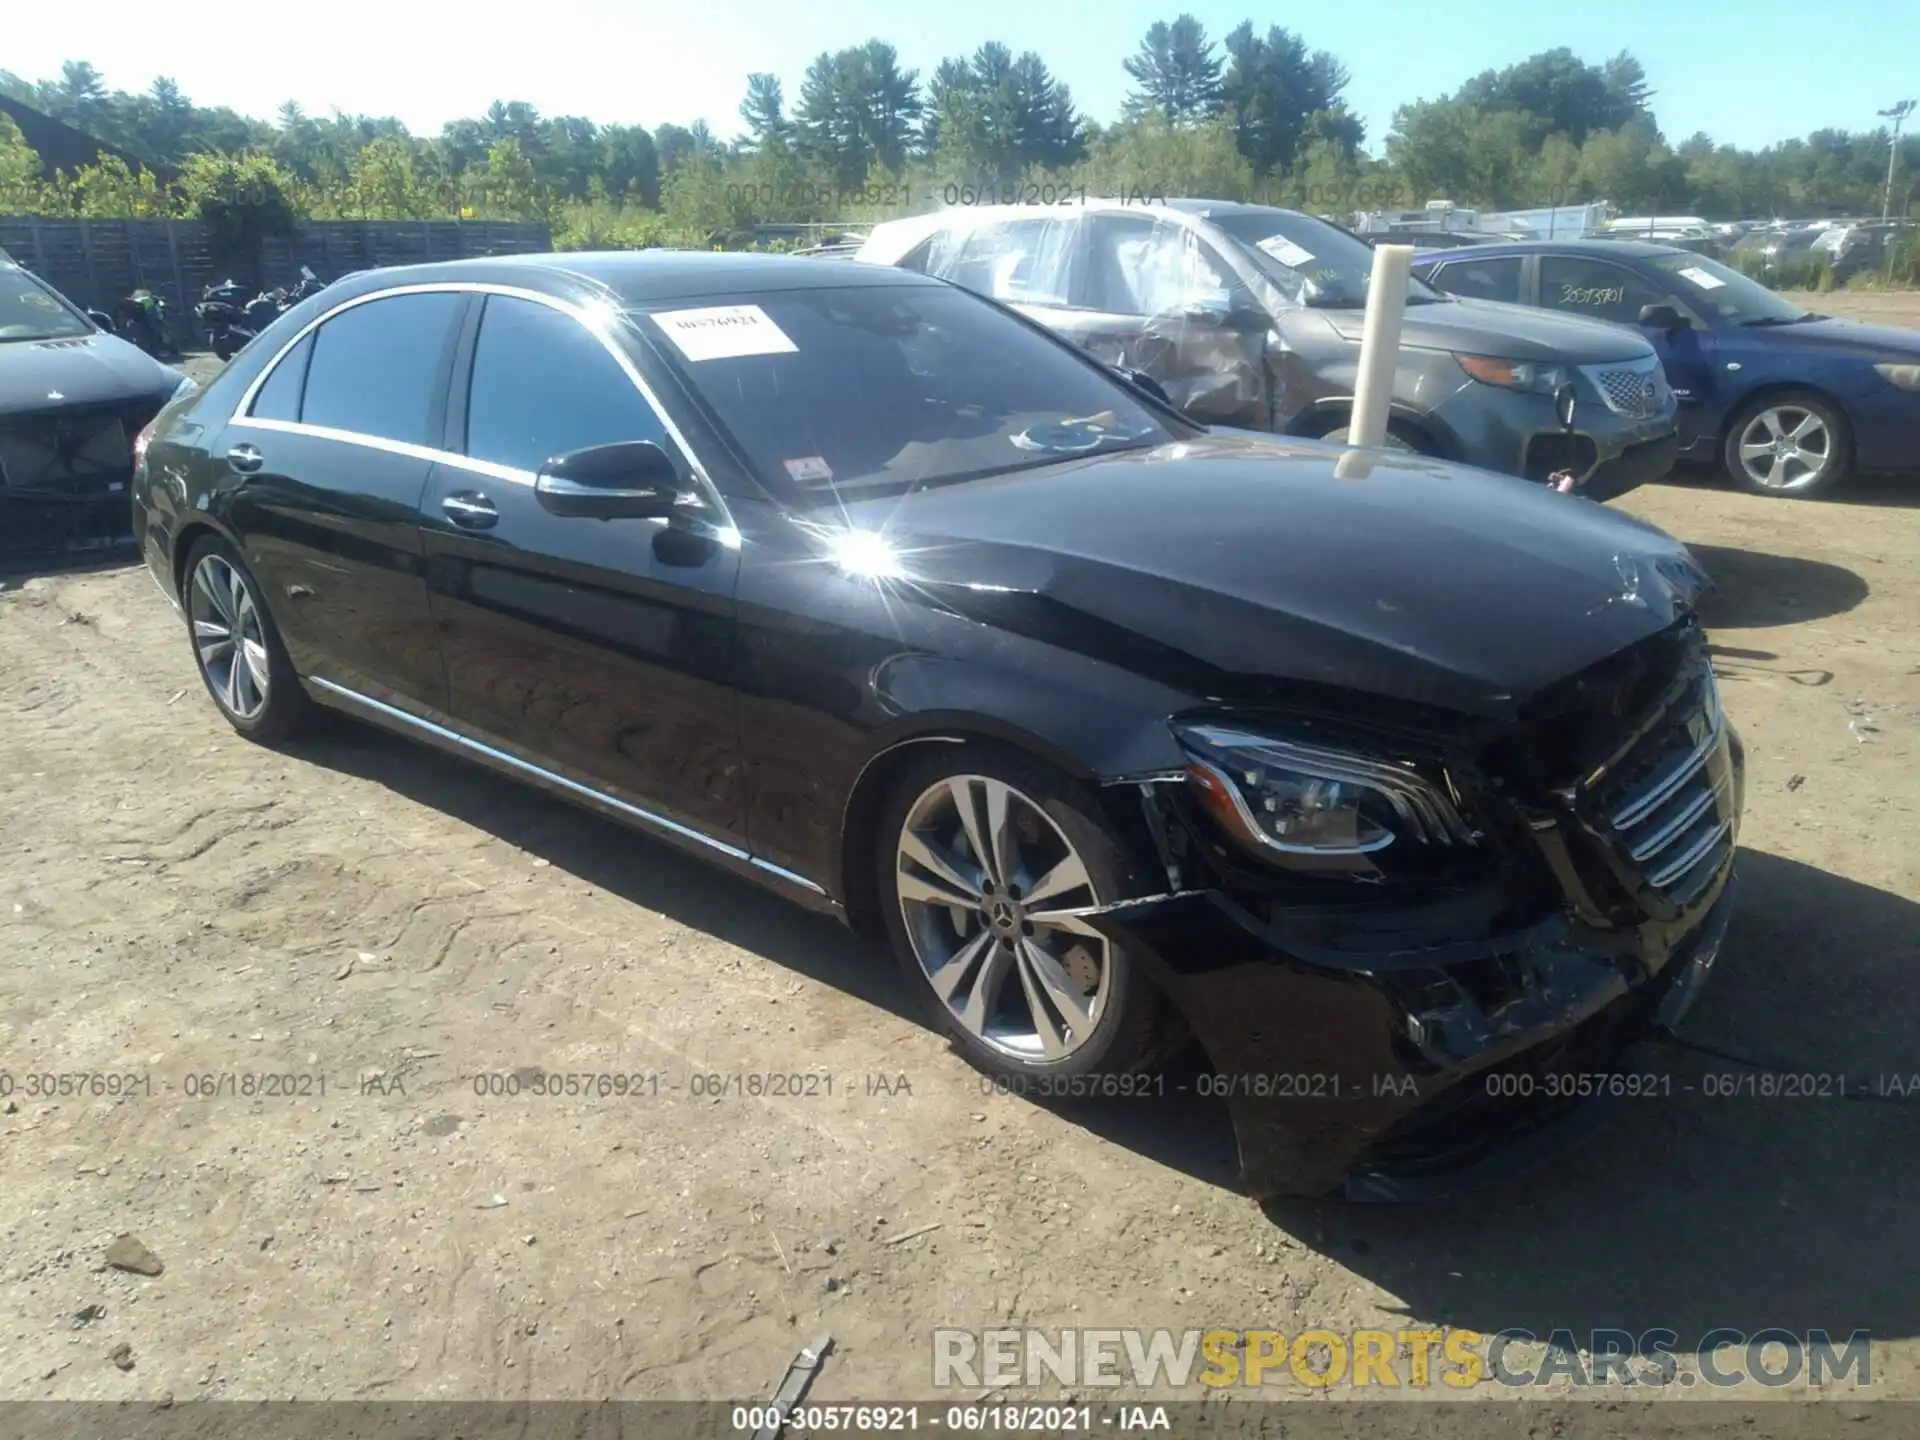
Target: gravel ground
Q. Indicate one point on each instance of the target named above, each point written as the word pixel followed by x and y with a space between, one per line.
pixel 179 905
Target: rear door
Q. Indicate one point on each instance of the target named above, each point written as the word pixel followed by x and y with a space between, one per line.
pixel 602 650
pixel 1481 277
pixel 327 466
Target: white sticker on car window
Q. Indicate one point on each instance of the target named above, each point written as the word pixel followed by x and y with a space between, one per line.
pixel 809 470
pixel 1286 252
pixel 724 332
pixel 1705 279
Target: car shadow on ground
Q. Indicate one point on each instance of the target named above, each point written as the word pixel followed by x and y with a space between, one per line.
pixel 1690 1211
pixel 18 568
pixel 636 867
pixel 1900 489
pixel 1754 590
pixel 1713 1205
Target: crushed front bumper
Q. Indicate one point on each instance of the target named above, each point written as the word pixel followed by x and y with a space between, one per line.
pixel 1633 467
pixel 1412 1073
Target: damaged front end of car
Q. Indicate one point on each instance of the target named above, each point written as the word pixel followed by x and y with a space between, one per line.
pixel 1414 961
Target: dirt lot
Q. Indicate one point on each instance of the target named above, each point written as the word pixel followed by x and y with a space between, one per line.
pixel 178 903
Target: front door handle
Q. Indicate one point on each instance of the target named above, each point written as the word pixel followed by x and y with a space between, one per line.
pixel 246 458
pixel 470 510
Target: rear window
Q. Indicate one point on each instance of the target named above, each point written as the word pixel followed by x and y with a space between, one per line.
pixel 380 368
pixel 873 387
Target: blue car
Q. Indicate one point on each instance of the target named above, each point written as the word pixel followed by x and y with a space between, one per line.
pixel 1786 401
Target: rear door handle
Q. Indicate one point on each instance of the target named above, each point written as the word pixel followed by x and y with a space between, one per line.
pixel 470 510
pixel 246 458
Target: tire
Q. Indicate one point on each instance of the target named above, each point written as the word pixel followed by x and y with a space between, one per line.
pixel 1053 819
pixel 1788 414
pixel 253 684
pixel 1394 441
pixel 223 347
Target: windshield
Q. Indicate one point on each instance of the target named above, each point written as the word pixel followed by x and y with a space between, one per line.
pixel 879 387
pixel 1736 299
pixel 30 312
pixel 1312 262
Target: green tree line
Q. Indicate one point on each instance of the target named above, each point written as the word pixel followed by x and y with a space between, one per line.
pixel 1256 115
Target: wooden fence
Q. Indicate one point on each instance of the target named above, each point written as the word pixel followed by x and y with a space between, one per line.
pixel 95 262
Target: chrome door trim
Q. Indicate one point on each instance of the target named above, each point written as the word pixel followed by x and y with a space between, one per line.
pixel 599 322
pixel 562 782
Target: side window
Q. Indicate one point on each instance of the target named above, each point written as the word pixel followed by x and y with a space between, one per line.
pixel 1017 261
pixel 1496 277
pixel 279 398
pixel 1599 288
pixel 543 385
pixel 379 368
pixel 1138 265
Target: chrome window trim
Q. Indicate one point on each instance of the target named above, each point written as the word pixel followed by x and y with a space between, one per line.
pixel 586 318
pixel 550 777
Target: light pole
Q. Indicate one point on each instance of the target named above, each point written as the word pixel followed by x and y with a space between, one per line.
pixel 1897 114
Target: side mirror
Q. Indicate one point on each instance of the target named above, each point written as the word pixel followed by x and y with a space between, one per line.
pixel 1662 317
pixel 630 480
pixel 1565 404
pixel 101 319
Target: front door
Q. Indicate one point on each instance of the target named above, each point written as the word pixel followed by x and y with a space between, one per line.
pixel 1606 290
pixel 599 649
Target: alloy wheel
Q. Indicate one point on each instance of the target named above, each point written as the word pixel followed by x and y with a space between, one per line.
pixel 988 886
pixel 228 637
pixel 1786 447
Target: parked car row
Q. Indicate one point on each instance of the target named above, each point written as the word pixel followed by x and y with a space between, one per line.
pixel 1786 401
pixel 1251 316
pixel 1118 730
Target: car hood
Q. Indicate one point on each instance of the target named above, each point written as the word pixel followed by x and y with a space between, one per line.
pixel 1845 337
pixel 1259 570
pixel 38 375
pixel 1512 332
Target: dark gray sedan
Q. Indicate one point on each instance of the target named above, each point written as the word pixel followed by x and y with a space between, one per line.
pixel 1250 316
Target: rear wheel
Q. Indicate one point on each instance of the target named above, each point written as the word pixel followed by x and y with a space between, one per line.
pixel 1790 443
pixel 236 647
pixel 984 857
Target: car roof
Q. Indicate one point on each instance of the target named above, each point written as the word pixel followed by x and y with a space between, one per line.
pixel 1637 249
pixel 640 277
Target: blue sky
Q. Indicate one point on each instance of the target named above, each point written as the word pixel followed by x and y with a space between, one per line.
pixel 1750 73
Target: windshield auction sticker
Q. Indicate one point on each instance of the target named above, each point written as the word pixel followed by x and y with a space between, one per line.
pixel 724 332
pixel 1286 252
pixel 1705 279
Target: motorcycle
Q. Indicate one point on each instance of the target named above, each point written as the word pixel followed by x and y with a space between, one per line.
pixel 230 320
pixel 141 317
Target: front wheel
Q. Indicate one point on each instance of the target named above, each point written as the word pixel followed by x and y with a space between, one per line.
pixel 237 647
pixel 1792 443
pixel 985 857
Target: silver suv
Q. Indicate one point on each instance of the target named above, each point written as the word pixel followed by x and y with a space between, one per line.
pixel 1250 316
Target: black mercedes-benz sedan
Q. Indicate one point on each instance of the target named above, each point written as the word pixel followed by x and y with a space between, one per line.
pixel 1402 788
pixel 72 397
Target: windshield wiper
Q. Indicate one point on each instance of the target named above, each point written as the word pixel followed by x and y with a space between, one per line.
pixel 1762 320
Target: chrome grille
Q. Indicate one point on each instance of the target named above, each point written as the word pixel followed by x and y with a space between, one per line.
pixel 1637 388
pixel 1668 804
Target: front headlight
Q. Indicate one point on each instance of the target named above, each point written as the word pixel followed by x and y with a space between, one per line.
pixel 1907 377
pixel 1296 799
pixel 187 386
pixel 1525 375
